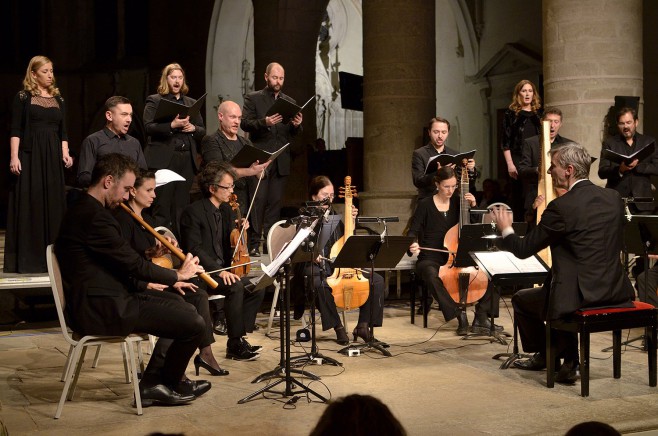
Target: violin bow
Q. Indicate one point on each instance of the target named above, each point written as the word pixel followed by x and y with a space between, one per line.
pixel 246 217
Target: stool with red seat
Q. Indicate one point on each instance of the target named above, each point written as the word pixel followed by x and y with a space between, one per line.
pixel 617 319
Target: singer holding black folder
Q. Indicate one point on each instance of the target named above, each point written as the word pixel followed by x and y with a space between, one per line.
pixel 322 190
pixel 270 134
pixel 223 146
pixel 438 129
pixel 172 144
pixel 630 179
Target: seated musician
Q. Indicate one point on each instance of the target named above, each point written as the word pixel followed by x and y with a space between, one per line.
pixel 433 218
pixel 205 227
pixel 95 261
pixel 584 228
pixel 141 197
pixel 321 188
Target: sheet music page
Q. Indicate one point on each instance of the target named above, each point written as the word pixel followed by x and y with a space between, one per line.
pixel 504 262
pixel 285 254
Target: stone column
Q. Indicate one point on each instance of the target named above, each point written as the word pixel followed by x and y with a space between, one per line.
pixel 399 97
pixel 592 52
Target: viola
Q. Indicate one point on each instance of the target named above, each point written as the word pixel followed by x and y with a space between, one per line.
pixel 348 286
pixel 238 242
pixel 465 285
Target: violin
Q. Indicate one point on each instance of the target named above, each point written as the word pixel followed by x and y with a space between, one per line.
pixel 238 242
pixel 465 285
pixel 348 286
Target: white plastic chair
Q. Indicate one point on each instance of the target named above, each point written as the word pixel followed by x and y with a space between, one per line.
pixel 276 238
pixel 79 344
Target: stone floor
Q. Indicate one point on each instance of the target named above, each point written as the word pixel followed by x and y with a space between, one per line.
pixel 435 383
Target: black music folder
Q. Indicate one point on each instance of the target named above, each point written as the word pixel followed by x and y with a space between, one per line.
pixel 250 154
pixel 167 110
pixel 639 155
pixel 447 159
pixel 286 109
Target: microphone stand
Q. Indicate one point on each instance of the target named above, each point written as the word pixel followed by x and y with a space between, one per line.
pixel 310 284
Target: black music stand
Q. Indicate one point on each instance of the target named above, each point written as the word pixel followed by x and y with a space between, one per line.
pixel 510 275
pixel 640 236
pixel 283 370
pixel 316 242
pixel 370 252
pixel 476 237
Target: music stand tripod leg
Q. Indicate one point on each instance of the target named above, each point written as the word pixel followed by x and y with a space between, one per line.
pixel 286 377
pixel 314 354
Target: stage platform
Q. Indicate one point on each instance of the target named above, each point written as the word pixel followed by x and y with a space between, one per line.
pixel 435 383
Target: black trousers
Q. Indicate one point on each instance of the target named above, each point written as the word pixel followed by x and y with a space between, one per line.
pixel 529 313
pixel 647 284
pixel 267 206
pixel 240 307
pixel 428 270
pixel 199 300
pixel 172 198
pixel 327 305
pixel 180 328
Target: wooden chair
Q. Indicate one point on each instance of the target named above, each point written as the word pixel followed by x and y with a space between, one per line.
pixel 79 343
pixel 585 322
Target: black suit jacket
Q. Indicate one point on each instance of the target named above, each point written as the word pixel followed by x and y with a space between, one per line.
pixel 584 229
pixel 424 182
pixel 419 162
pixel 530 155
pixel 633 183
pixel 256 105
pixel 96 263
pixel 163 140
pixel 198 229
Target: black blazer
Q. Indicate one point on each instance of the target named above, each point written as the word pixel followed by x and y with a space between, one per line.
pixel 424 182
pixel 419 161
pixel 198 229
pixel 530 155
pixel 96 263
pixel 267 138
pixel 163 140
pixel 634 183
pixel 584 229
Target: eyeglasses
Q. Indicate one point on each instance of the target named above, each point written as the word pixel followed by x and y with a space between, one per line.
pixel 226 187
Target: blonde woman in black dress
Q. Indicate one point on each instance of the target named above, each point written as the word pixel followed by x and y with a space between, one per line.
pixel 39 154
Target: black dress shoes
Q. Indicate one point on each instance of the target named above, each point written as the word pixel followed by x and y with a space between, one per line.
pixel 484 326
pixel 239 351
pixel 252 348
pixel 536 363
pixel 193 387
pixel 163 396
pixel 254 252
pixel 568 373
pixel 220 327
pixel 462 319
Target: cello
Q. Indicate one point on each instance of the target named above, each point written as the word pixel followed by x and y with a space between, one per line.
pixel 239 243
pixel 465 285
pixel 348 286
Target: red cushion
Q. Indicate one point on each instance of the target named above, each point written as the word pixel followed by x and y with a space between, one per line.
pixel 638 305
